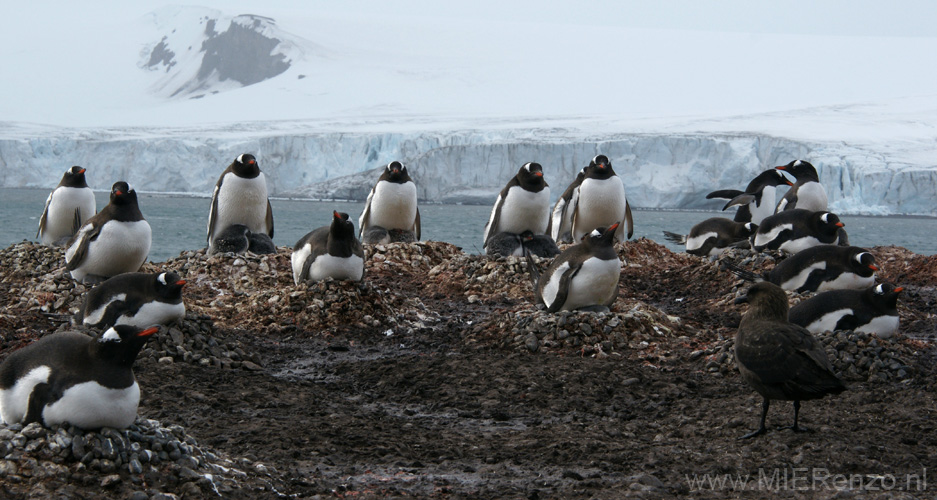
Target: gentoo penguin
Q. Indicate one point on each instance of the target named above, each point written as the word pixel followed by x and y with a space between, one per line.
pixel 758 200
pixel 233 239
pixel 794 230
pixel 585 276
pixel 115 240
pixel 511 244
pixel 713 236
pixel 523 205
pixel 71 377
pixel 807 192
pixel 601 202
pixel 238 238
pixel 329 252
pixel 377 235
pixel 825 267
pixel 561 217
pixel 68 206
pixel 872 310
pixel 392 202
pixel 135 299
pixel 240 197
pixel 260 243
pixel 779 359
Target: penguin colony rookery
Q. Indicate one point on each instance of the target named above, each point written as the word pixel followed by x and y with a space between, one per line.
pixel 88 381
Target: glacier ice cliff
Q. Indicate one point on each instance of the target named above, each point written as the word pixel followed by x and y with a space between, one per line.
pixel 660 170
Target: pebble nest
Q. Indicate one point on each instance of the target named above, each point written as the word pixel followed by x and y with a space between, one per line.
pixel 144 461
pixel 405 288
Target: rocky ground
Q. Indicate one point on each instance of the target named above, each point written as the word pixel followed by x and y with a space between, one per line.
pixel 437 377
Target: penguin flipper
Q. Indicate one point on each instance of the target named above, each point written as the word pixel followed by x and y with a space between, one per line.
pixel 628 219
pixel 727 194
pixel 38 398
pixel 269 220
pixel 77 250
pixel 563 290
pixel 304 274
pixel 493 221
pixel 742 199
pixel 213 211
pixel 76 222
pixel 788 202
pixel 744 274
pixel 45 217
pixel 416 224
pixel 365 220
pixel 679 239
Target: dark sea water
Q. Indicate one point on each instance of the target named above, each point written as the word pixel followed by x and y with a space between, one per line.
pixel 179 223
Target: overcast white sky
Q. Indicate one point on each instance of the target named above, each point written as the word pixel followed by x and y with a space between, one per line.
pixel 66 63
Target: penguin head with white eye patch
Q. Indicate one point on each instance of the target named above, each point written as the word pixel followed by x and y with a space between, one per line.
pixel 887 293
pixel 599 168
pixel 246 166
pixel 122 193
pixel 120 344
pixel 169 285
pixel 829 222
pixel 864 262
pixel 396 172
pixel 530 177
pixel 601 236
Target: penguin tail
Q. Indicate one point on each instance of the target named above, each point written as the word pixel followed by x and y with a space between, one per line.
pixel 744 274
pixel 679 239
pixel 532 269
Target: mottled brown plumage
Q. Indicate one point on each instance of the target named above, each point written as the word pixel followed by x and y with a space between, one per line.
pixel 779 359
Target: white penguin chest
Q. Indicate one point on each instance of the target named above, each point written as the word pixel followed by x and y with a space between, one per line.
pixel 121 247
pixel 766 207
pixel 601 204
pixel 326 266
pixel 90 405
pixel 153 313
pixel 524 210
pixel 393 205
pixel 812 196
pixel 242 201
pixel 594 284
pixel 60 217
pixel 14 401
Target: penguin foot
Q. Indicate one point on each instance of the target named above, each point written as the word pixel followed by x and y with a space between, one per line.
pixel 757 432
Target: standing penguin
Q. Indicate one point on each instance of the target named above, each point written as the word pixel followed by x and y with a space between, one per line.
pixel 523 205
pixel 72 378
pixel 561 218
pixel 794 230
pixel 135 299
pixel 807 193
pixel 758 200
pixel 68 206
pixel 713 236
pixel 116 240
pixel 585 276
pixel 329 252
pixel 601 202
pixel 391 203
pixel 240 197
pixel 779 359
pixel 873 310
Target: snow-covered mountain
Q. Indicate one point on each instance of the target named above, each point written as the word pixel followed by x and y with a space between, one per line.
pixel 683 102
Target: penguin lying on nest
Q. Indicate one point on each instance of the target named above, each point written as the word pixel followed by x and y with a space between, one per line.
pixel 817 269
pixel 517 245
pixel 583 277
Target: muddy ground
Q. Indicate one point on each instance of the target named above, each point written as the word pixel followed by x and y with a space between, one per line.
pixel 459 408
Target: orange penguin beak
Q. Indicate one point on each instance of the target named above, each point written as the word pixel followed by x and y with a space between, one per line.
pixel 81 171
pixel 335 214
pixel 873 267
pixel 180 282
pixel 899 289
pixel 613 227
pixel 149 331
pixel 538 174
pixel 840 224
